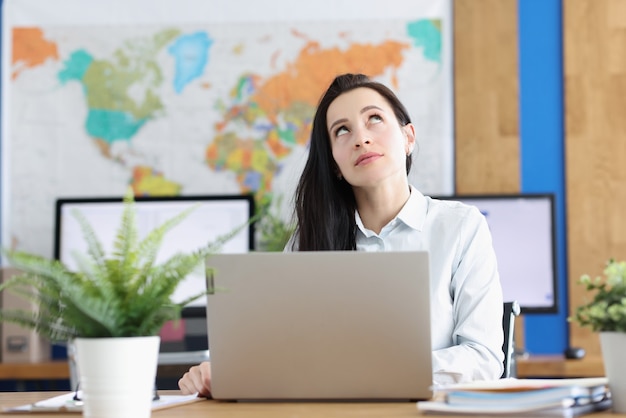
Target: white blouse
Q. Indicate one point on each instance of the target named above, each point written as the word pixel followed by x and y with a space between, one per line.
pixel 466 296
pixel 465 293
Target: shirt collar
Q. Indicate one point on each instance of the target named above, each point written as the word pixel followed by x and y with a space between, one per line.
pixel 412 214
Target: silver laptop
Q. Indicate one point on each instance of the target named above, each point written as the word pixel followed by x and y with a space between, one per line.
pixel 320 326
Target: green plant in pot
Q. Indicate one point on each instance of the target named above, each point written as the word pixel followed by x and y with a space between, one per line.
pixel 605 313
pixel 113 308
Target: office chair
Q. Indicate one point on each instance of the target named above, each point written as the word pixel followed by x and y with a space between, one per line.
pixel 511 310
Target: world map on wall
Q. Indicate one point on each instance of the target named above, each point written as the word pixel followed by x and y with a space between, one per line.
pixel 195 110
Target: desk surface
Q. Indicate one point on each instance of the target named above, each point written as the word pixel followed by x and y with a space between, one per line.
pixel 216 409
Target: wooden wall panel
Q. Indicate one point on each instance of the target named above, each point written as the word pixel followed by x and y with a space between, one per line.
pixel 486 96
pixel 595 128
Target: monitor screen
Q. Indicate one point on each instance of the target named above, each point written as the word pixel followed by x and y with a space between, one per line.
pixel 214 216
pixel 524 239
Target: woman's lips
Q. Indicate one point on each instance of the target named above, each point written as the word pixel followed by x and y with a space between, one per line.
pixel 367 158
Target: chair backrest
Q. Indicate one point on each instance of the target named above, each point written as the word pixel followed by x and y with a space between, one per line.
pixel 511 310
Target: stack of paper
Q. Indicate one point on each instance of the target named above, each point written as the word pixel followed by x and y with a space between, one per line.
pixel 68 403
pixel 532 397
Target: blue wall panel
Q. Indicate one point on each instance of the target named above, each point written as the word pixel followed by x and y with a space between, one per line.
pixel 542 147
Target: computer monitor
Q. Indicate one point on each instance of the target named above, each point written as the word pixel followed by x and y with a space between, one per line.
pixel 214 216
pixel 524 239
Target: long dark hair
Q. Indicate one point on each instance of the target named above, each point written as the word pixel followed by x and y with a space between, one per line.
pixel 324 203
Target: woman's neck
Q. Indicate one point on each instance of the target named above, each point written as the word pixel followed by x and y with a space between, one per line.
pixel 377 206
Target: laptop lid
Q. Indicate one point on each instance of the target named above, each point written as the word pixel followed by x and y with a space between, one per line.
pixel 320 325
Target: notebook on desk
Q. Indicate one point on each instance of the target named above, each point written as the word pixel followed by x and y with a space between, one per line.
pixel 320 325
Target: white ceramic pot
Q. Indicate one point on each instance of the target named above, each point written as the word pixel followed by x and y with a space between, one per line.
pixel 613 345
pixel 117 375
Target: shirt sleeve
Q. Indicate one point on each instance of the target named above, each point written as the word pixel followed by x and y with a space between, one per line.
pixel 476 353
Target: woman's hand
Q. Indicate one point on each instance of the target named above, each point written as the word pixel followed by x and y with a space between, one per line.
pixel 197 380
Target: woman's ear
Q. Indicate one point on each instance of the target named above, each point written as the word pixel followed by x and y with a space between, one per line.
pixel 409 134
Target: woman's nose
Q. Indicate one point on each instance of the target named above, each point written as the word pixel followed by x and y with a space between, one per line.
pixel 361 137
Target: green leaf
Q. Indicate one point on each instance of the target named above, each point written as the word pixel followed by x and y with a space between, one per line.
pixel 606 311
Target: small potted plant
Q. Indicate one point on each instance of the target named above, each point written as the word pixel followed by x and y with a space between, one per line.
pixel 606 314
pixel 112 308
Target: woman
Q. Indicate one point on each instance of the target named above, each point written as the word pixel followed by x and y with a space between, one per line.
pixel 354 194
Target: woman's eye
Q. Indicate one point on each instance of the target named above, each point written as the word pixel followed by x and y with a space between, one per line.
pixel 376 119
pixel 341 130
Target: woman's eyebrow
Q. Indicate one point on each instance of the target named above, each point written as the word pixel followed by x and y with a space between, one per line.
pixel 337 122
pixel 370 107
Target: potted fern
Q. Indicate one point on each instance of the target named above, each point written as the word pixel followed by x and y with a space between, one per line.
pixel 112 308
pixel 605 313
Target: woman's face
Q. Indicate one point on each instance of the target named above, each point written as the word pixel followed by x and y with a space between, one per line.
pixel 368 144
